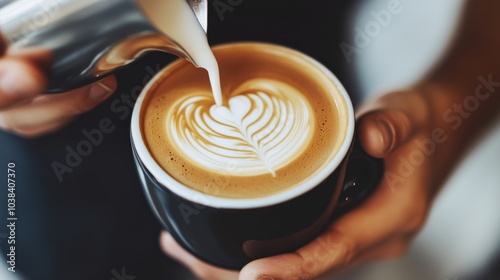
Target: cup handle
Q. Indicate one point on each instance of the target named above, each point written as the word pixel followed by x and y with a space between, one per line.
pixel 363 175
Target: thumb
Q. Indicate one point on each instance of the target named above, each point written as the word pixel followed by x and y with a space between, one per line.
pixel 381 132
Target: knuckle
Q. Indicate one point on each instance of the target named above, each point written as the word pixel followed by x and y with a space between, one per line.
pixel 302 274
pixel 298 269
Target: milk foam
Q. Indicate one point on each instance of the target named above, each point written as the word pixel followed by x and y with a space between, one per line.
pixel 266 125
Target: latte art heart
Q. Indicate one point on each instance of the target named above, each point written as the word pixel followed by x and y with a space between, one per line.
pixel 265 126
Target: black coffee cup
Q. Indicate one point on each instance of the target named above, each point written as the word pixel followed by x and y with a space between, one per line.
pixel 230 233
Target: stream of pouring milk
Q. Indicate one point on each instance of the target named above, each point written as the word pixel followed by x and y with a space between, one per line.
pixel 255 129
pixel 176 19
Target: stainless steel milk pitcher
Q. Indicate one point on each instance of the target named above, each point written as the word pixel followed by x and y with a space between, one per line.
pixel 85 40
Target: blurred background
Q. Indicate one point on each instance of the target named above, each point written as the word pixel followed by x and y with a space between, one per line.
pixel 96 223
pixel 462 237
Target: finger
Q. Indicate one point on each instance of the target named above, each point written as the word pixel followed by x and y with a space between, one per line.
pixel 388 123
pixel 381 132
pixel 37 131
pixel 383 217
pixel 200 268
pixel 19 79
pixel 49 112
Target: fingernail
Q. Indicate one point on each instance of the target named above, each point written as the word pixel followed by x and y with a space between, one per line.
pixel 99 91
pixel 386 134
pixel 265 277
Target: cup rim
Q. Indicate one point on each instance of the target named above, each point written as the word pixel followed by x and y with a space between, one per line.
pixel 189 194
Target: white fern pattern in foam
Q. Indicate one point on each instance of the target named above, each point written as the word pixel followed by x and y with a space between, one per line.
pixel 266 125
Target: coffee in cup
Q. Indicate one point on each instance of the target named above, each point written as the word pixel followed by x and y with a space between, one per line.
pixel 282 121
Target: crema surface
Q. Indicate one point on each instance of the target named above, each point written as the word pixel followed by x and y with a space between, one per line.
pixel 278 126
pixel 265 125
